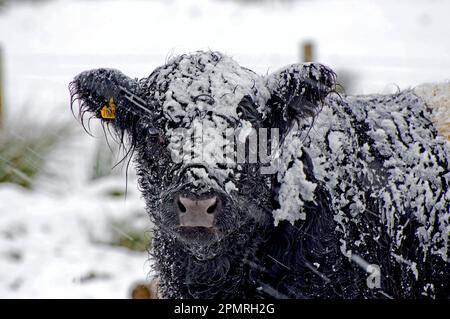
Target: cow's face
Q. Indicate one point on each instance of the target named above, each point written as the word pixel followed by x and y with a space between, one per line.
pixel 201 128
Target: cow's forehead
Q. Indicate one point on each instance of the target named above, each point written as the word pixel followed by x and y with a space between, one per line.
pixel 200 95
pixel 207 82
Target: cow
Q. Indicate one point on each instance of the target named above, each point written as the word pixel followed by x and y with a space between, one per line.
pixel 277 186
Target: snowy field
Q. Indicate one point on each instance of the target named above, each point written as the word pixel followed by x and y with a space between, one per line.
pixel 56 240
pixel 58 246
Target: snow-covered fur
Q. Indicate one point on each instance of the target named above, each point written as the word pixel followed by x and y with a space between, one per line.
pixel 361 185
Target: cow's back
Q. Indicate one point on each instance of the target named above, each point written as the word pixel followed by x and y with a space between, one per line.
pixel 387 171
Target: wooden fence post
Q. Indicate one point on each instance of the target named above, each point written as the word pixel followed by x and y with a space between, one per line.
pixel 308 51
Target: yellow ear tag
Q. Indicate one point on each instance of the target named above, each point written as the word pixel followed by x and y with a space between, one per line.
pixel 109 112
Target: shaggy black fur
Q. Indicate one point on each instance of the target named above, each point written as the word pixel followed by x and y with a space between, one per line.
pixel 249 256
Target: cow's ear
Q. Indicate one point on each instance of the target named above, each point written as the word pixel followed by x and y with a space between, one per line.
pixel 297 92
pixel 109 95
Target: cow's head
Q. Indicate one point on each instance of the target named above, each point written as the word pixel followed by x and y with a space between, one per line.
pixel 194 126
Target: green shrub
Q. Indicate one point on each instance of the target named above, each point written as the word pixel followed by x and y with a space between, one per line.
pixel 24 147
pixel 105 159
pixel 129 236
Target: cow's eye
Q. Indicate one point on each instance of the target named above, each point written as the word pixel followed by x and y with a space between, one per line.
pixel 247 110
pixel 155 135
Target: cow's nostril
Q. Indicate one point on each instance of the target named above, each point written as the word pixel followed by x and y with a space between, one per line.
pixel 181 207
pixel 212 209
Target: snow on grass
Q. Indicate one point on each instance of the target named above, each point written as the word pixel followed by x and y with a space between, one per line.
pixel 57 247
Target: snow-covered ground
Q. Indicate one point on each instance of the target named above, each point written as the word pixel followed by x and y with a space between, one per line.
pixel 58 246
pixel 53 240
